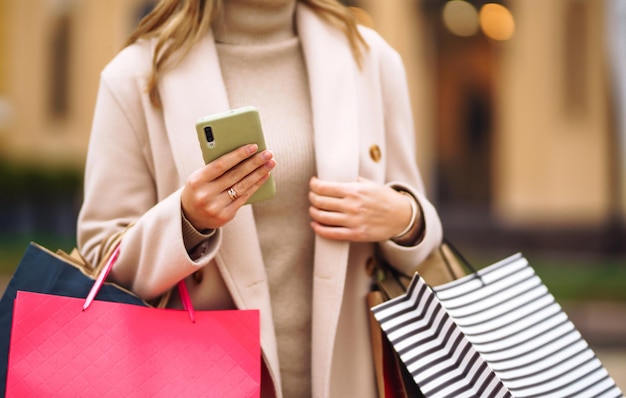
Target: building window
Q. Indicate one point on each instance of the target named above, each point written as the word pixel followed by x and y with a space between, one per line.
pixel 576 56
pixel 59 91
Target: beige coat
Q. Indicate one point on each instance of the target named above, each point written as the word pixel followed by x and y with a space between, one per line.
pixel 140 157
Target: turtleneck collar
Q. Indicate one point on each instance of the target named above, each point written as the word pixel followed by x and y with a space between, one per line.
pixel 247 22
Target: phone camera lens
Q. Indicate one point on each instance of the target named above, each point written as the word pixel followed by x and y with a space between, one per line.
pixel 208 132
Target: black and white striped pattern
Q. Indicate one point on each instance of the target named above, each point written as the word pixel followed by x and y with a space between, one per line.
pixel 523 333
pixel 512 320
pixel 441 360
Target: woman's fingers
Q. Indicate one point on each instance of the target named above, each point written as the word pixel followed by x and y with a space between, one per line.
pixel 329 218
pixel 329 188
pixel 330 196
pixel 334 233
pixel 328 203
pixel 226 162
pixel 244 175
pixel 239 172
pixel 363 211
pixel 336 210
pixel 239 193
pixel 213 194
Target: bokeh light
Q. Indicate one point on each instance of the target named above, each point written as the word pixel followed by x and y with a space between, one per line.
pixel 496 21
pixel 461 18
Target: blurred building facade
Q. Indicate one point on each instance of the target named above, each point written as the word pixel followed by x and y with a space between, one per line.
pixel 51 54
pixel 518 138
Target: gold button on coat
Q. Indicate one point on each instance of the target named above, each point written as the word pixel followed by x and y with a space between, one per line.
pixel 375 153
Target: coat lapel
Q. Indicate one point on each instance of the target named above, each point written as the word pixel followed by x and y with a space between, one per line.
pixel 193 89
pixel 332 73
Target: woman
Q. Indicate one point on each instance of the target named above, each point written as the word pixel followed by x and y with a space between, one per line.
pixel 335 111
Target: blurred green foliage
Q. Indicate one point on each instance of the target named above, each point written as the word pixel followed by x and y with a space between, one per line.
pixel 578 279
pixel 13 247
pixel 571 277
pixel 46 189
pixel 17 180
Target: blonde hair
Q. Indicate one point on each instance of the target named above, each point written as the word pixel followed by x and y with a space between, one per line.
pixel 179 24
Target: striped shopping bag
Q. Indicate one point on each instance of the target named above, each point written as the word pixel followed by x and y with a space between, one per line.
pixel 503 316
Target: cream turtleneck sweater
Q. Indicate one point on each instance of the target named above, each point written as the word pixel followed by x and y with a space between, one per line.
pixel 262 65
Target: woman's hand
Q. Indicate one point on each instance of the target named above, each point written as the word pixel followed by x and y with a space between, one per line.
pixel 206 200
pixel 362 211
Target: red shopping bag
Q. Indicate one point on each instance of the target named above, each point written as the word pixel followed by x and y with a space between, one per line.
pixel 123 350
pixel 72 347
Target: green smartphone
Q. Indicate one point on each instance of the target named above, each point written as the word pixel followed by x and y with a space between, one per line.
pixel 223 132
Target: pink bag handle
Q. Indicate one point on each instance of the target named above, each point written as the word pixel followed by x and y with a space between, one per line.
pixel 182 287
pixel 186 300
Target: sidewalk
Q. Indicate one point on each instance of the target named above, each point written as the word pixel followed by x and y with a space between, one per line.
pixel 602 324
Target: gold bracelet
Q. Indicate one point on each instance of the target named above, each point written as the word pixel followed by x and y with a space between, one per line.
pixel 408 228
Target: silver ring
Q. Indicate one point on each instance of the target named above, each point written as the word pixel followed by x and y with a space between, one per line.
pixel 232 194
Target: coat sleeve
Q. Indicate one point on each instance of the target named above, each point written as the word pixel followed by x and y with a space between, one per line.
pixel 120 190
pixel 401 168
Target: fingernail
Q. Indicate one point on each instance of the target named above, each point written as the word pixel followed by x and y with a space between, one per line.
pixel 266 155
pixel 252 148
pixel 270 165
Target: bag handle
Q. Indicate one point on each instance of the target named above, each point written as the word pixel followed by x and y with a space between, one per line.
pixel 391 281
pixel 182 287
pixel 464 261
pixel 101 277
pixel 186 300
pixel 457 253
pixel 445 244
